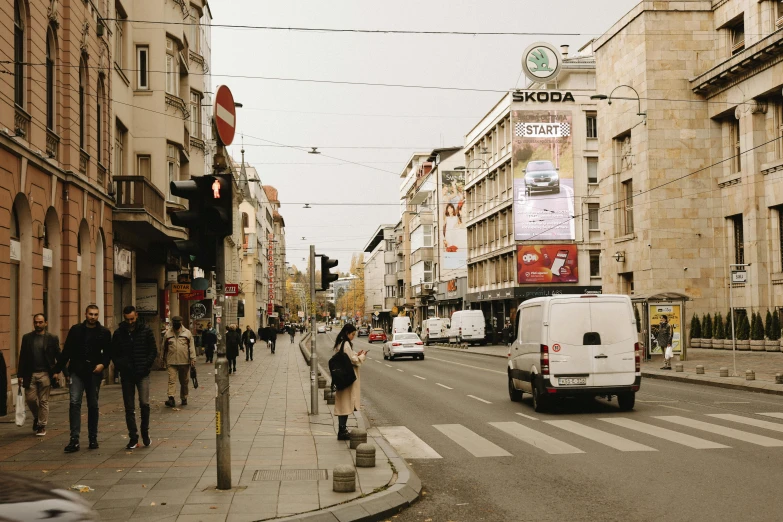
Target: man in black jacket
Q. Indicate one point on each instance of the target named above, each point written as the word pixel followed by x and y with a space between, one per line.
pixel 133 350
pixel 209 339
pixel 88 349
pixel 249 340
pixel 37 360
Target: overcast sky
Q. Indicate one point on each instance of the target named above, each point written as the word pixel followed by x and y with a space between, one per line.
pixel 378 127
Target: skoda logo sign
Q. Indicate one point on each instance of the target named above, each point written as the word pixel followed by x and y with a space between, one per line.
pixel 541 62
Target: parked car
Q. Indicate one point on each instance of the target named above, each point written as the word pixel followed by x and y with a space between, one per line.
pixel 403 345
pixel 363 332
pixel 541 175
pixel 24 498
pixel 570 345
pixel 467 326
pixel 435 329
pixel 377 334
pixel 321 328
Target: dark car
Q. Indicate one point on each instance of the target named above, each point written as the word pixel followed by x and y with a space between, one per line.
pixel 23 498
pixel 541 176
pixel 363 332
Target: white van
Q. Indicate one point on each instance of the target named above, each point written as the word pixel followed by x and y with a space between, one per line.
pixel 570 345
pixel 467 326
pixel 435 329
pixel 400 324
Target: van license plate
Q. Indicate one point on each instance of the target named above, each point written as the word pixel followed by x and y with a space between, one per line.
pixel 571 380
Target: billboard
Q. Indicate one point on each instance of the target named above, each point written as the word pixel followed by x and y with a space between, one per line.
pixel 453 234
pixel 543 166
pixel 547 264
pixel 672 313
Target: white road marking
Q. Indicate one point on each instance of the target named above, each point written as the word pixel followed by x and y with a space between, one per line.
pixel 389 365
pixel 726 432
pixel 474 443
pixel 420 377
pixel 665 434
pixel 540 440
pixel 444 386
pixel 774 415
pixel 479 399
pixel 526 416
pixel 732 402
pixel 601 437
pixel 379 362
pixel 673 407
pixel 407 444
pixel 774 426
pixel 403 371
pixel 467 365
pixel 652 402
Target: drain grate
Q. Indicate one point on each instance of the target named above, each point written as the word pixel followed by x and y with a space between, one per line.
pixel 290 474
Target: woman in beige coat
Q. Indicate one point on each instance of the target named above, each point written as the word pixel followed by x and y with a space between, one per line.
pixel 348 400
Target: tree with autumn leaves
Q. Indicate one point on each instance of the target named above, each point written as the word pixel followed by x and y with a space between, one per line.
pixel 352 298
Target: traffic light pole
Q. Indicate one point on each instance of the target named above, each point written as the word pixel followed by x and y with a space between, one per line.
pixel 222 386
pixel 313 334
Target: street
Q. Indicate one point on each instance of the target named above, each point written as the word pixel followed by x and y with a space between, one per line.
pixel 686 452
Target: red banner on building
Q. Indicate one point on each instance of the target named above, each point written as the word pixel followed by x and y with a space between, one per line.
pixel 270 260
pixel 547 264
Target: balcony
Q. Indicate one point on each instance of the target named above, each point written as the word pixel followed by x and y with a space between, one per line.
pixel 390 280
pixel 422 218
pixel 389 303
pixel 137 192
pixel 21 122
pixel 52 144
pixel 141 210
pixel 390 256
pixel 422 254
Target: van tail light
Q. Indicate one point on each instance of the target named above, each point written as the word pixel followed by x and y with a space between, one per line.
pixel 395 344
pixel 545 360
pixel 420 343
pixel 637 357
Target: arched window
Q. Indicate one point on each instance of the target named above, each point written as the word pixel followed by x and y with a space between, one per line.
pixel 19 27
pixel 51 56
pixel 82 95
pixel 99 120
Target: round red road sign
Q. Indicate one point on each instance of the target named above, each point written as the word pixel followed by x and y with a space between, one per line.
pixel 556 348
pixel 225 114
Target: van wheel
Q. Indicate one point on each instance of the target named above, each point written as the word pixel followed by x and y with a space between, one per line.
pixel 513 394
pixel 626 401
pixel 540 403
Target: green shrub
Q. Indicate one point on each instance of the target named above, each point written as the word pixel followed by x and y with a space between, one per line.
pixel 757 328
pixel 695 327
pixel 768 325
pixel 743 333
pixel 706 327
pixel 775 327
pixel 719 330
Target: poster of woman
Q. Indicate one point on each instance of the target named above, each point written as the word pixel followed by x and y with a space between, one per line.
pixel 453 234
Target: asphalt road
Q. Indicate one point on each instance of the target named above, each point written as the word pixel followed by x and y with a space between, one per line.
pixel 686 452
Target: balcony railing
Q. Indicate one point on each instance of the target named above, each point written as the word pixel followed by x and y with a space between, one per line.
pixel 137 192
pixel 52 144
pixel 21 122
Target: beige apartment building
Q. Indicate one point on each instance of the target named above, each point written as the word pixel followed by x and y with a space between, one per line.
pixel 695 183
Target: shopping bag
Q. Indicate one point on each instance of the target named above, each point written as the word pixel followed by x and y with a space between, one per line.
pixel 669 353
pixel 21 408
pixel 194 377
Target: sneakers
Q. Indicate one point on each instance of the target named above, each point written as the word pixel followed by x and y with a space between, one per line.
pixel 72 446
pixel 41 431
pixel 170 403
pixel 93 444
pixel 132 445
pixel 185 401
pixel 145 438
pixel 35 425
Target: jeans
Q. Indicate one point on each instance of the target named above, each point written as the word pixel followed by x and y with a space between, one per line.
pixel 91 385
pixel 249 351
pixel 292 338
pixel 37 395
pixel 129 387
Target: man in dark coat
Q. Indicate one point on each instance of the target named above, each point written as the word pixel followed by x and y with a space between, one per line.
pixel 249 340
pixel 134 350
pixel 233 342
pixel 209 339
pixel 88 350
pixel 269 334
pixel 37 360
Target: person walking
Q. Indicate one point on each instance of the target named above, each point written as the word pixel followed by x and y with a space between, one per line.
pixel 292 332
pixel 134 350
pixel 664 339
pixel 270 336
pixel 38 357
pixel 233 342
pixel 87 352
pixel 179 353
pixel 249 340
pixel 508 333
pixel 209 338
pixel 348 400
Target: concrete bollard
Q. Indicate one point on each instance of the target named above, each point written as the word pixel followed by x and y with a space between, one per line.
pixel 699 369
pixel 330 398
pixel 327 391
pixel 750 375
pixel 365 455
pixel 344 479
pixel 678 367
pixel 358 437
pixel 724 372
pixel 321 381
pixel 779 378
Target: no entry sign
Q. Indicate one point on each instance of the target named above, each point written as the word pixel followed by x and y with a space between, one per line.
pixel 225 114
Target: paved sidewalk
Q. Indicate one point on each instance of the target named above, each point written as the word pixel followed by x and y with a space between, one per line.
pixel 175 479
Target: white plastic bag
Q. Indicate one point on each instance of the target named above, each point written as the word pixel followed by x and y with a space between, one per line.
pixel 21 408
pixel 669 353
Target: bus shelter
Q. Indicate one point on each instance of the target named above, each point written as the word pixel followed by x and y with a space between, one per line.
pixel 648 309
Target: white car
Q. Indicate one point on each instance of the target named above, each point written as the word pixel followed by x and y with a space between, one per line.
pixel 403 344
pixel 321 329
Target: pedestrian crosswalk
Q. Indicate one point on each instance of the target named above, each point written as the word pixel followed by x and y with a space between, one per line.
pixel 569 437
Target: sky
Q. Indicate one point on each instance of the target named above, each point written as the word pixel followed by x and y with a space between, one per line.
pixel 367 134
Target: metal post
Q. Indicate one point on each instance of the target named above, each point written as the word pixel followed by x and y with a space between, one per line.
pixel 313 333
pixel 733 335
pixel 222 415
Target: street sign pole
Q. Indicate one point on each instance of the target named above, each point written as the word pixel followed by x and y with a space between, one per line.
pixel 732 271
pixel 222 386
pixel 313 334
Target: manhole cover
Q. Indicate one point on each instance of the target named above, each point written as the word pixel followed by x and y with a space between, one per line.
pixel 290 474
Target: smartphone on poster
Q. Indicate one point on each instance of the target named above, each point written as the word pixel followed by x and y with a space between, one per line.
pixel 560 261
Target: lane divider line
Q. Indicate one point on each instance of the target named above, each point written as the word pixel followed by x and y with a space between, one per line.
pixel 402 371
pixel 467 365
pixel 526 416
pixel 444 386
pixel 479 399
pixel 420 377
pixel 389 365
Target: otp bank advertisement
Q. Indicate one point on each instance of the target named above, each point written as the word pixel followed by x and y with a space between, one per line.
pixel 547 264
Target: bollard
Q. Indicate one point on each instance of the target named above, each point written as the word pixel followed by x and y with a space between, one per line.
pixel 779 378
pixel 365 455
pixel 343 479
pixel 358 437
pixel 678 367
pixel 724 372
pixel 750 375
pixel 699 369
pixel 321 381
pixel 327 391
pixel 330 398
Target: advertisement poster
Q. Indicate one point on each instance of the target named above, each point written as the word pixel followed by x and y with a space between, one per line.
pixel 547 264
pixel 453 234
pixel 543 166
pixel 672 312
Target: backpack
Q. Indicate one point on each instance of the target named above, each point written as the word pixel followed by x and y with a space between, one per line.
pixel 341 368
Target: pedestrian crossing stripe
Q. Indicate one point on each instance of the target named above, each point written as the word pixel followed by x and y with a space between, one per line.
pixel 474 443
pixel 665 434
pixel 774 426
pixel 535 438
pixel 724 431
pixel 602 437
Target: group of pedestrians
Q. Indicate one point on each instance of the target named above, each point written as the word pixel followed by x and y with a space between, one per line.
pixel 89 348
pixel 238 341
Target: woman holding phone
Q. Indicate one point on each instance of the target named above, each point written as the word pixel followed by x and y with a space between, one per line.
pixel 348 400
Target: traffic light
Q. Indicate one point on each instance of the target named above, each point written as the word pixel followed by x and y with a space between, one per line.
pixel 326 276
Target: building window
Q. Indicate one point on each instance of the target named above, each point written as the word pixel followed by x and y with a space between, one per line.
pixel 172 79
pixel 737 32
pixel 120 135
pixel 51 56
pixel 195 115
pixel 194 31
pixel 592 170
pixel 99 120
pixel 627 207
pixel 778 14
pixel 82 94
pixel 19 26
pixel 626 283
pixel 428 271
pixel 595 263
pixel 739 239
pixel 592 216
pixel 142 67
pixel 119 35
pixel 144 165
pixel 172 167
pixel 735 146
pixel 427 235
pixel 592 125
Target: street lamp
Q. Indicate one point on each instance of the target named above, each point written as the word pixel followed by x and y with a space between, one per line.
pixel 638 99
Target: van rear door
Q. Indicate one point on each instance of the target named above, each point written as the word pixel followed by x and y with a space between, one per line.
pixel 613 358
pixel 570 361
